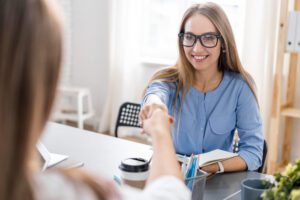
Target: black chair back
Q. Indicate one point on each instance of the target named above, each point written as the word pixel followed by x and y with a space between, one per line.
pixel 265 152
pixel 128 116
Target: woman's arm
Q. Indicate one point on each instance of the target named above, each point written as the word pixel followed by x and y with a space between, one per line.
pixel 152 102
pixel 156 96
pixel 249 127
pixel 230 165
pixel 164 162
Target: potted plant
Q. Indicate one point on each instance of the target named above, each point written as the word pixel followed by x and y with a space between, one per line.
pixel 287 184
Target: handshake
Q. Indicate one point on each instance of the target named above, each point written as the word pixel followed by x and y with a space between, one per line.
pixel 154 118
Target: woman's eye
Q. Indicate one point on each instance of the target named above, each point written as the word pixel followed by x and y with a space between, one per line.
pixel 209 37
pixel 188 37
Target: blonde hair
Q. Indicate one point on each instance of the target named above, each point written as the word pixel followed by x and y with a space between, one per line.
pixel 183 72
pixel 30 59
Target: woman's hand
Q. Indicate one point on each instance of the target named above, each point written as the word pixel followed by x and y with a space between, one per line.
pixel 164 163
pixel 156 122
pixel 151 105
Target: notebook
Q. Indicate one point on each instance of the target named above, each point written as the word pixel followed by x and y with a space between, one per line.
pixel 208 158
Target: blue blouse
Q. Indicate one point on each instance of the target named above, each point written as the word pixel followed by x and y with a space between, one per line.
pixel 207 121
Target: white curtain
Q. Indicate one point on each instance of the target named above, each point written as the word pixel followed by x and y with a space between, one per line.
pixel 258 49
pixel 124 65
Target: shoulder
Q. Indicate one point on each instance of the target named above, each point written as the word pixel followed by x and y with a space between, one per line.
pixel 54 185
pixel 236 78
pixel 238 82
pixel 163 83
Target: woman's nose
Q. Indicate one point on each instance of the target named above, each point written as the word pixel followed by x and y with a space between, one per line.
pixel 197 46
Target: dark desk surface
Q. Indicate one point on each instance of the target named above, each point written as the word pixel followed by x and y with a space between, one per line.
pixel 227 186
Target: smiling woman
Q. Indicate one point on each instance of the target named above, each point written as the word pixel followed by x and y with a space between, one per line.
pixel 208 92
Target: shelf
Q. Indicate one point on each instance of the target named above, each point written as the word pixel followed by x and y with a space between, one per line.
pixel 291 112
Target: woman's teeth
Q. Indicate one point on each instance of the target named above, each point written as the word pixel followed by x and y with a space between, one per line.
pixel 200 58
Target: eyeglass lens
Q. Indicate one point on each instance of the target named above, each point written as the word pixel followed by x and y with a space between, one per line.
pixel 208 40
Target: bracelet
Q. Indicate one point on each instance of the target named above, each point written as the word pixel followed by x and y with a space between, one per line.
pixel 221 168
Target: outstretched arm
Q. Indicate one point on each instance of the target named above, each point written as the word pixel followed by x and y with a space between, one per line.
pixel 164 162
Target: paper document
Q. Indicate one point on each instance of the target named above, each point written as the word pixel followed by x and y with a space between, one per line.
pixel 209 157
pixel 215 156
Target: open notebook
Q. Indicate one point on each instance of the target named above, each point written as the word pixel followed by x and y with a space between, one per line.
pixel 209 157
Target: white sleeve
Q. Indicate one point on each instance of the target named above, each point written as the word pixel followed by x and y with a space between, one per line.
pixel 54 186
pixel 167 187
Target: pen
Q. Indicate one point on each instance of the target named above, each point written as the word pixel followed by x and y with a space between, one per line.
pixel 189 166
pixel 117 180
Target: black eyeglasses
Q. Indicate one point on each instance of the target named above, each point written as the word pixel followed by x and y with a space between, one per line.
pixel 208 40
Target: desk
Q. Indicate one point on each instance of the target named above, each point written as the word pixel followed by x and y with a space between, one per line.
pixel 227 186
pixel 102 154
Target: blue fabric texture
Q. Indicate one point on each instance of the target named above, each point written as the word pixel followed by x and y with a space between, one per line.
pixel 207 121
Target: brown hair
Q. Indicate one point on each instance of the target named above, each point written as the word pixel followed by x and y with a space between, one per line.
pixel 183 71
pixel 30 58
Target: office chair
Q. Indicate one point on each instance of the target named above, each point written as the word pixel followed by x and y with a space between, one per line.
pixel 128 116
pixel 265 152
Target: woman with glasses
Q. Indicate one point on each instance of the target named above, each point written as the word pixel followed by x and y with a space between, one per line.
pixel 30 59
pixel 208 93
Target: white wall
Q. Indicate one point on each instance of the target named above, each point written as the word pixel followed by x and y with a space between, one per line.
pixel 90 48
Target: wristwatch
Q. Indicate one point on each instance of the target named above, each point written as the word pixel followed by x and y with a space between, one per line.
pixel 221 168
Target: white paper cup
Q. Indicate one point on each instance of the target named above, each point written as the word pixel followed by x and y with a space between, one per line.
pixel 134 172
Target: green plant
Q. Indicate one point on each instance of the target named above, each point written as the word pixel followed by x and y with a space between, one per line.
pixel 287 185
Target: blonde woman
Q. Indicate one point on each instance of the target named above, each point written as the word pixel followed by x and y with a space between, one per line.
pixel 209 93
pixel 30 56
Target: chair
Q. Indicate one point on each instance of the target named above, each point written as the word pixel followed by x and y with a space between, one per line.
pixel 128 116
pixel 265 152
pixel 75 104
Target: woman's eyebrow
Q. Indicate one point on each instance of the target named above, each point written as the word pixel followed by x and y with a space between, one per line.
pixel 202 33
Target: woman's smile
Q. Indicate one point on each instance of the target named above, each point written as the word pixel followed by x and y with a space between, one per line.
pixel 199 58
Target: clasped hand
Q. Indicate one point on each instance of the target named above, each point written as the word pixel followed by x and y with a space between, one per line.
pixel 154 118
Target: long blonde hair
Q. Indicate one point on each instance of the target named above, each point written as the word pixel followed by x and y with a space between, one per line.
pixel 30 58
pixel 183 72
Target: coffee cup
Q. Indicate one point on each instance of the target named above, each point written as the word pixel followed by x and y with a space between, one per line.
pixel 134 172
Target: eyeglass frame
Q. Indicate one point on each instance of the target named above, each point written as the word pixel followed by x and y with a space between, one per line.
pixel 198 37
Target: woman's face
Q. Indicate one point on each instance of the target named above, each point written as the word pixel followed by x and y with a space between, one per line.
pixel 202 58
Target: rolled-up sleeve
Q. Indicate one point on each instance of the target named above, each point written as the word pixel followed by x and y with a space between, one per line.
pixel 160 89
pixel 249 126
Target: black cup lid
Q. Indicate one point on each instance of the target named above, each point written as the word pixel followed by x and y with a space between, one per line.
pixel 134 165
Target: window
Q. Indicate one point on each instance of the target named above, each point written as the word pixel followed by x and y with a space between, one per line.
pixel 160 25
